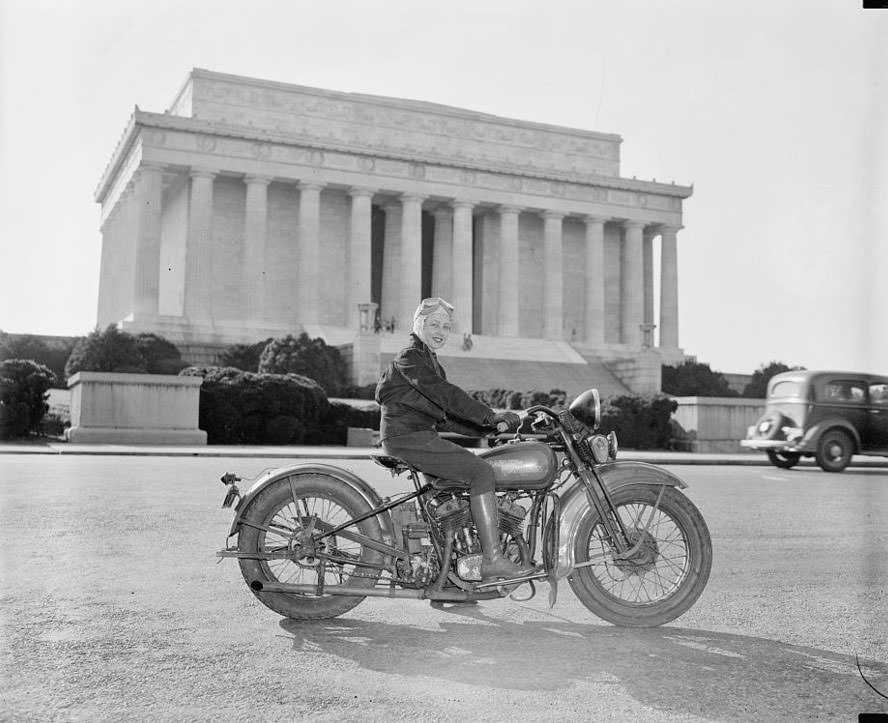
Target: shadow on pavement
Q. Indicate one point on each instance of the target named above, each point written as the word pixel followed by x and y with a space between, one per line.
pixel 671 669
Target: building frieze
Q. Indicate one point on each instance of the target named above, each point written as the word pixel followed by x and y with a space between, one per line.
pixel 190 135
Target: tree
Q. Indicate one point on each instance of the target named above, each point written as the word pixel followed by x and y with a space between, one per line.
pixel 693 379
pixel 308 357
pixel 758 385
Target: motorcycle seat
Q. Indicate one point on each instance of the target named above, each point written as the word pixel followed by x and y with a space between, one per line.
pixel 395 464
pixel 398 465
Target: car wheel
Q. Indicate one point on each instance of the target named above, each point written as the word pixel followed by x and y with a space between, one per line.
pixel 834 450
pixel 783 460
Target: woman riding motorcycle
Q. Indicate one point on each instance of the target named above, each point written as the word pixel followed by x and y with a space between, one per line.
pixel 417 402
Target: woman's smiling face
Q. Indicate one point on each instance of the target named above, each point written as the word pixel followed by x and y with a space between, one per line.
pixel 436 329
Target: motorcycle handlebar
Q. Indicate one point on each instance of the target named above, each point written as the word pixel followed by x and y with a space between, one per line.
pixel 502 427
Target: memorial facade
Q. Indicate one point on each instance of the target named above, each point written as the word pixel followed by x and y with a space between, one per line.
pixel 251 209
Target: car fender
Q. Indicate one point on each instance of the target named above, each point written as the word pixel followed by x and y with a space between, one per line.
pixel 350 479
pixel 575 504
pixel 812 437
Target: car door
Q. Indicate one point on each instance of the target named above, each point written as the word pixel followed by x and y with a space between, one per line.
pixel 875 437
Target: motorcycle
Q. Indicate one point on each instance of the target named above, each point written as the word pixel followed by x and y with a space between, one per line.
pixel 314 540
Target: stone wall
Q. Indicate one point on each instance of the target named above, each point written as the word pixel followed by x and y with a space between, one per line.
pixel 716 424
pixel 111 408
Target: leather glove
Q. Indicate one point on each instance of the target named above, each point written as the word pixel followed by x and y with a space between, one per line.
pixel 506 421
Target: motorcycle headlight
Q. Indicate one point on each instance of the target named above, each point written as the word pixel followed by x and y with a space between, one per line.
pixel 600 448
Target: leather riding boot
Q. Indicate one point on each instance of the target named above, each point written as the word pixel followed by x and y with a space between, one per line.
pixel 494 564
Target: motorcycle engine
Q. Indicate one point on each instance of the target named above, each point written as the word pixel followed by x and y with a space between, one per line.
pixel 454 515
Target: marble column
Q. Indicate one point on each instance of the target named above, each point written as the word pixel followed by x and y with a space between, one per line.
pixel 508 291
pixel 391 266
pixel 647 256
pixel 593 307
pixel 255 263
pixel 110 263
pixel 411 258
pixel 359 255
pixel 199 247
pixel 129 231
pixel 308 308
pixel 462 266
pixel 668 287
pixel 146 281
pixel 633 284
pixel 442 255
pixel 553 277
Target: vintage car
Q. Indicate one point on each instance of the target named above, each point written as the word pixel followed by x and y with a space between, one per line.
pixel 824 414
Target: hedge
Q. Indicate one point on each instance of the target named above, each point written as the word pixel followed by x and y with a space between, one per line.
pixel 239 407
pixel 640 421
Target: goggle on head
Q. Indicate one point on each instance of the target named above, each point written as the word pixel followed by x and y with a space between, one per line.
pixel 433 321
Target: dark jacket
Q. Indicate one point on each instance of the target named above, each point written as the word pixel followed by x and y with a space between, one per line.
pixel 415 396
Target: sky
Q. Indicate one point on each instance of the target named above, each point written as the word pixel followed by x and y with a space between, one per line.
pixel 773 111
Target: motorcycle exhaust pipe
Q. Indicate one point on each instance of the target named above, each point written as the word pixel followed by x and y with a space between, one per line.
pixel 444 595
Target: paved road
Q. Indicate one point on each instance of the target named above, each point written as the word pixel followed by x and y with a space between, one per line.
pixel 113 608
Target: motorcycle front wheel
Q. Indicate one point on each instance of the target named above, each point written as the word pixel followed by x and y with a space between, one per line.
pixel 663 577
pixel 283 518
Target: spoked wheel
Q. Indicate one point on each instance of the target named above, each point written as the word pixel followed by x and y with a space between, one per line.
pixel 783 460
pixel 282 524
pixel 665 574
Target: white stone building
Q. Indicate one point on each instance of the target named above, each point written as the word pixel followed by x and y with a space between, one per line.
pixel 253 208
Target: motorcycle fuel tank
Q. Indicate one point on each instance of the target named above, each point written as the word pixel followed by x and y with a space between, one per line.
pixel 524 465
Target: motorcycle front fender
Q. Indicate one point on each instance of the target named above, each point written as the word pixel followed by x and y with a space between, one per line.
pixel 347 478
pixel 575 504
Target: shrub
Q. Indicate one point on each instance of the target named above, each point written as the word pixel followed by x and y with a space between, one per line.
pixel 334 424
pixel 51 353
pixel 640 421
pixel 243 356
pixel 239 407
pixel 693 379
pixel 23 387
pixel 308 357
pixel 114 350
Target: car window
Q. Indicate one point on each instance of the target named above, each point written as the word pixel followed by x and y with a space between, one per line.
pixel 879 394
pixel 841 391
pixel 786 389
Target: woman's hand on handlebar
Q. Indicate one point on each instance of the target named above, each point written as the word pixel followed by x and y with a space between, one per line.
pixel 506 421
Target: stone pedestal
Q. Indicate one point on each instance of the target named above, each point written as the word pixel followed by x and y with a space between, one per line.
pixel 111 408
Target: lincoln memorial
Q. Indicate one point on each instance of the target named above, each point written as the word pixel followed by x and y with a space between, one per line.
pixel 252 209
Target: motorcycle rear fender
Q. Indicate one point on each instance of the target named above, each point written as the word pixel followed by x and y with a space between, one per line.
pixel 575 504
pixel 350 479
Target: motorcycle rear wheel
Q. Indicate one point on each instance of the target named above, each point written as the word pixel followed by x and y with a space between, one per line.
pixel 667 574
pixel 274 521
